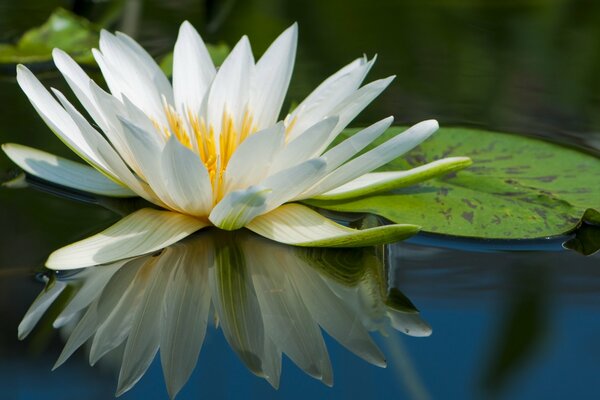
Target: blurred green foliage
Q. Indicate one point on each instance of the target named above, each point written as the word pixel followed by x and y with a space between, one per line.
pixel 73 34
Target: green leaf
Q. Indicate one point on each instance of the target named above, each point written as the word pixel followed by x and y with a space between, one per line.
pixel 517 187
pixel 73 34
pixel 218 53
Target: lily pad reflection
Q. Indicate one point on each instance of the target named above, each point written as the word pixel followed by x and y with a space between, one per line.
pixel 268 299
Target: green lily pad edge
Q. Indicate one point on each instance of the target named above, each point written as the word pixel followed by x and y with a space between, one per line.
pixel 517 187
pixel 63 29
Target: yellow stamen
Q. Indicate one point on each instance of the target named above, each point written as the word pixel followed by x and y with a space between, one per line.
pixel 194 133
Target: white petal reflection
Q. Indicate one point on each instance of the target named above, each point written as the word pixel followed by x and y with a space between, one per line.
pixel 269 299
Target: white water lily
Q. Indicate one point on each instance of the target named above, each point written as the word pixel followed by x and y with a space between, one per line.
pixel 269 299
pixel 208 147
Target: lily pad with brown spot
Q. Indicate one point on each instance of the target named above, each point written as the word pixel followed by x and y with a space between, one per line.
pixel 517 187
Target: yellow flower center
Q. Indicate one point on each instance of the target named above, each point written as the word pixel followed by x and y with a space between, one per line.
pixel 193 132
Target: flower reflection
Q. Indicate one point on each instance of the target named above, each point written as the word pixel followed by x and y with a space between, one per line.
pixel 267 298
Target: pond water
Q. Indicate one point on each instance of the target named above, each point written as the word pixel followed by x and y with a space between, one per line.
pixel 504 324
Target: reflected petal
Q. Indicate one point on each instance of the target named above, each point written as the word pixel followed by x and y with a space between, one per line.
pixel 270 299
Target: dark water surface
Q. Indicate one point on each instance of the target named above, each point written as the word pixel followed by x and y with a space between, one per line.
pixel 507 325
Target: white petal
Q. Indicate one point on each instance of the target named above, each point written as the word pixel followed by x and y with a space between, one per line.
pixel 305 146
pixel 146 151
pixel 377 182
pixel 272 78
pixel 79 82
pixel 348 109
pixel 354 144
pixel 141 232
pixel 64 172
pixel 39 306
pixel 112 162
pixel 193 70
pixel 149 65
pixel 230 90
pixel 299 225
pixel 129 73
pixel 287 184
pixel 328 95
pixel 237 208
pixel 114 166
pixel 59 121
pixel 186 178
pixel 377 157
pixel 251 161
pixel 114 110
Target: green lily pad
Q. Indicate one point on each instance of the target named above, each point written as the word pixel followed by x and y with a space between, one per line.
pixel 517 187
pixel 75 35
pixel 218 53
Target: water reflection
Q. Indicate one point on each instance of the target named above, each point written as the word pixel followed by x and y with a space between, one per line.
pixel 268 299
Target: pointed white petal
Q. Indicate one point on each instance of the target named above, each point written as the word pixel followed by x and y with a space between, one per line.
pixel 348 109
pixel 354 144
pixel 238 208
pixel 272 78
pixel 287 184
pixel 250 162
pixel 230 90
pixel 186 178
pixel 299 225
pixel 378 182
pixel 328 95
pixel 39 306
pixel 79 82
pixel 377 157
pixel 111 108
pixel 60 122
pixel 305 146
pixel 141 232
pixel 64 172
pixel 146 150
pixel 113 166
pixel 149 65
pixel 193 70
pixel 113 79
pixel 185 312
pixel 128 73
